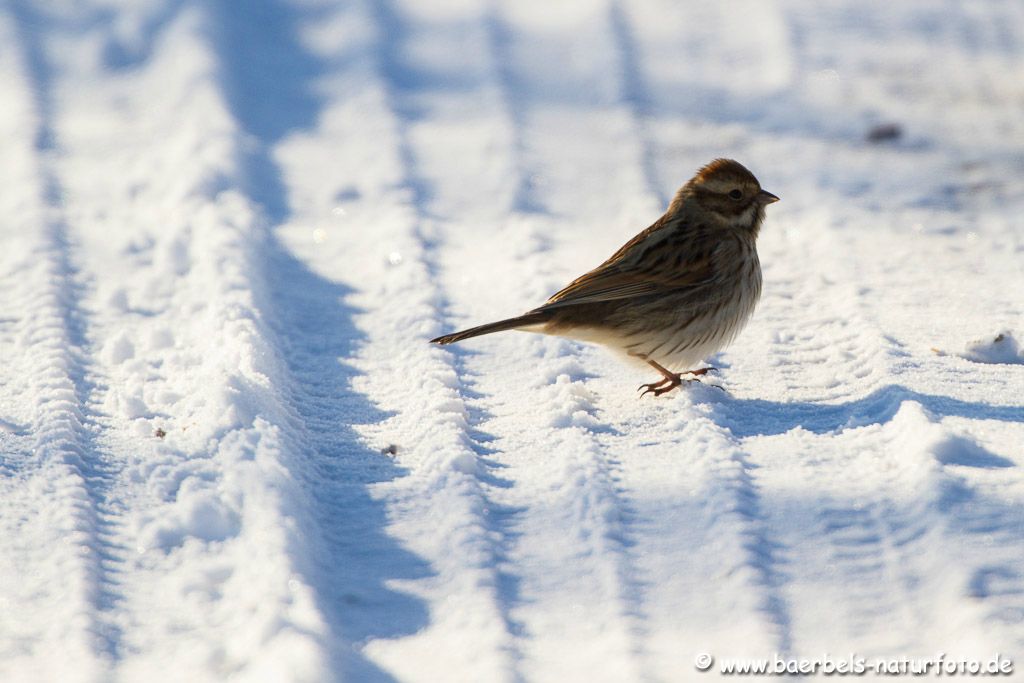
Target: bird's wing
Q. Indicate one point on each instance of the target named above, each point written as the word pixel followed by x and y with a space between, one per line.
pixel 648 264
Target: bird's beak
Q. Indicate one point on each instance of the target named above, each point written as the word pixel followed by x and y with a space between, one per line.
pixel 767 197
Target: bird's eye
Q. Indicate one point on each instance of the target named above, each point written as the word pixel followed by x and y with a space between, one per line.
pixel 736 194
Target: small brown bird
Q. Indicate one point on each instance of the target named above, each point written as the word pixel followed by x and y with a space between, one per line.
pixel 676 293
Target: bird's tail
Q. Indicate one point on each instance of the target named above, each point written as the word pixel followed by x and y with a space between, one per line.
pixel 525 320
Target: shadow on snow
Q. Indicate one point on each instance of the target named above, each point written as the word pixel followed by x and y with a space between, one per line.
pixel 269 84
pixel 757 417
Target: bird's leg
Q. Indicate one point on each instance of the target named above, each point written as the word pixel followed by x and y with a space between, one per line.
pixel 671 379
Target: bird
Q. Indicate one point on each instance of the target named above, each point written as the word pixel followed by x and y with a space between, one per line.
pixel 676 293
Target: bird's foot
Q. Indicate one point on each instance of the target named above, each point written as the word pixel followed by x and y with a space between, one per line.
pixel 673 380
pixel 659 388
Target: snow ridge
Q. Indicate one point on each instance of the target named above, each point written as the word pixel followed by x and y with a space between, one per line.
pixel 67 466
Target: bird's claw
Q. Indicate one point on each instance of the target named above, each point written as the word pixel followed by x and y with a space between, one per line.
pixel 659 388
pixel 676 379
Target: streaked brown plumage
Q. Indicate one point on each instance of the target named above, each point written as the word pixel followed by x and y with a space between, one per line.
pixel 674 294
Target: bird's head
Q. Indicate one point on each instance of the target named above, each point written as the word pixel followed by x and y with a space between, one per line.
pixel 727 191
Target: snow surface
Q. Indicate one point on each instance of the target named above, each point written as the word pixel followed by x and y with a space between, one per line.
pixel 1001 348
pixel 227 450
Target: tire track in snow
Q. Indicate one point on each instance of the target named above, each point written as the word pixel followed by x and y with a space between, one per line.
pixel 866 360
pixel 867 570
pixel 604 512
pixel 959 504
pixel 442 509
pixel 314 330
pixel 886 540
pixel 236 571
pixel 484 118
pixel 77 545
pixel 849 521
pixel 635 93
pixel 883 536
pixel 733 498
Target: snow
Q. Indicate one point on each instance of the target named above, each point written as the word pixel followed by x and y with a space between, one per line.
pixel 1001 348
pixel 227 450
